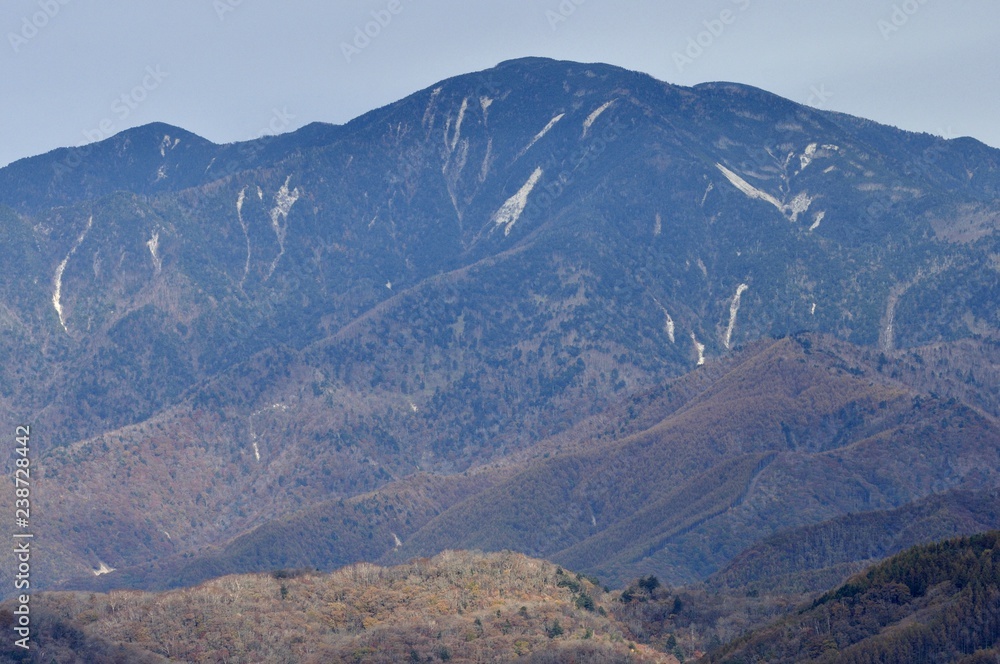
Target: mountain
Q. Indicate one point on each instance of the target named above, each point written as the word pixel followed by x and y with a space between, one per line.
pixel 812 558
pixel 455 607
pixel 389 325
pixel 935 603
pixel 828 437
pixel 714 467
pixel 153 159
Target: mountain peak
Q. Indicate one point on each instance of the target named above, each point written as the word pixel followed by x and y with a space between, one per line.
pixel 161 129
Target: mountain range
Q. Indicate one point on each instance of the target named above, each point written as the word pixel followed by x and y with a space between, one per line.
pixel 556 308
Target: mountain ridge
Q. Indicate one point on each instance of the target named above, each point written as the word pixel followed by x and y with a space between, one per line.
pixel 478 269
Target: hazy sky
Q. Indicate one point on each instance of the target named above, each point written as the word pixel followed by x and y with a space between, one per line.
pixel 76 70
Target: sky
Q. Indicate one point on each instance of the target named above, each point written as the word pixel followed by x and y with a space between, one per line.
pixel 75 71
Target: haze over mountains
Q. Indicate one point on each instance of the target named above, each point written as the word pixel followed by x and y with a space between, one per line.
pixel 558 308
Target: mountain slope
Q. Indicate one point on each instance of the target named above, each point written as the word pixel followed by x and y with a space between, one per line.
pixel 811 558
pixel 451 280
pixel 728 468
pixel 457 606
pixel 937 602
pixel 714 466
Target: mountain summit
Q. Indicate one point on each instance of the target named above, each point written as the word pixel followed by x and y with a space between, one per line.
pixel 221 336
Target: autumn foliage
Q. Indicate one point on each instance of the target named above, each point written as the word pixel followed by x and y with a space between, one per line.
pixel 457 606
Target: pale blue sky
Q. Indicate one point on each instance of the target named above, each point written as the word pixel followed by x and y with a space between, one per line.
pixel 233 69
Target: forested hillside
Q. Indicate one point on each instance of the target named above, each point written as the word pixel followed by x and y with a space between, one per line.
pixel 934 603
pixel 457 607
